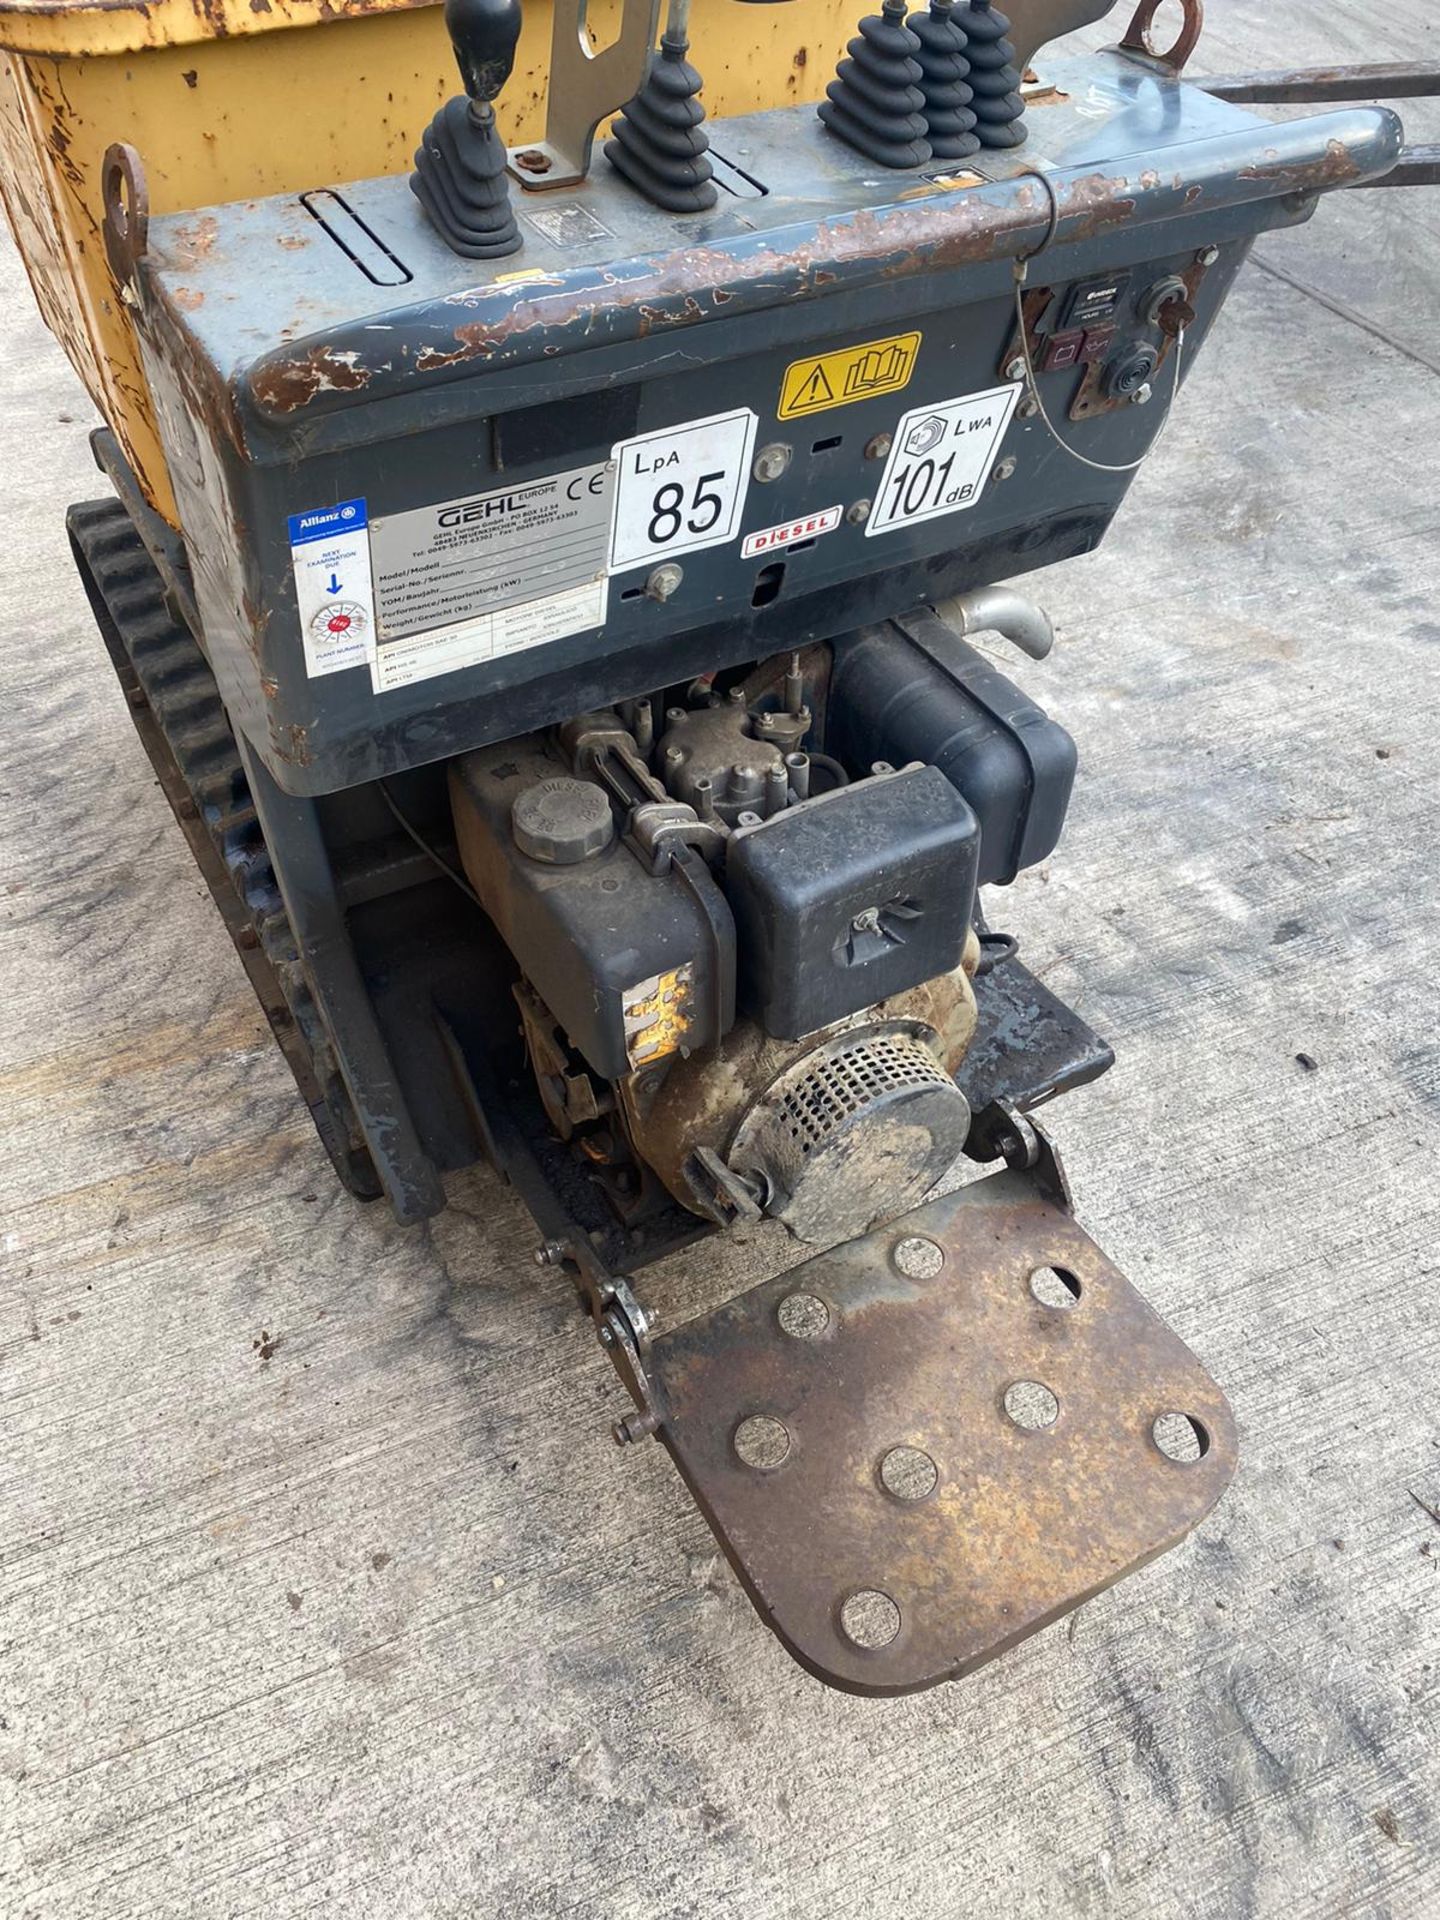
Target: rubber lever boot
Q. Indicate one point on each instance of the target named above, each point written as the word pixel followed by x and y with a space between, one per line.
pixel 658 142
pixel 874 103
pixel 459 175
pixel 994 77
pixel 950 125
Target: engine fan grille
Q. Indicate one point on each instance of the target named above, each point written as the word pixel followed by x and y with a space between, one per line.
pixel 856 1131
pixel 844 1084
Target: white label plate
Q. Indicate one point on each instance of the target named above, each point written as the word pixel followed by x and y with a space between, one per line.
pixel 468 580
pixel 940 458
pixel 334 594
pixel 681 488
pixel 488 636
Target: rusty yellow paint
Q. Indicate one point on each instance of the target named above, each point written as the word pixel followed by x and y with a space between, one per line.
pixel 74 29
pixel 221 109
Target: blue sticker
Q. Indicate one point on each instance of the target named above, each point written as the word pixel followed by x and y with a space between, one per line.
pixel 323 523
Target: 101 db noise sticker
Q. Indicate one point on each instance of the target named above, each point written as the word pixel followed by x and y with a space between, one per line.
pixel 680 489
pixel 940 458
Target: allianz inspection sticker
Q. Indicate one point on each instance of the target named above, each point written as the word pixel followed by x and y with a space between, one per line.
pixel 334 593
pixel 940 458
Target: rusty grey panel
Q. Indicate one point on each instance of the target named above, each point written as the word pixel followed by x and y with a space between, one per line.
pixel 921 1447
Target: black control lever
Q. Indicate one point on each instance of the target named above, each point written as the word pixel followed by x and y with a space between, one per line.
pixel 459 175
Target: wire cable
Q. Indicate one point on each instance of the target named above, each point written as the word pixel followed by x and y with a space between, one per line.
pixel 425 847
pixel 1022 270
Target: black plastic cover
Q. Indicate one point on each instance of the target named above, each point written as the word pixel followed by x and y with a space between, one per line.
pixel 912 689
pixel 850 897
pixel 633 965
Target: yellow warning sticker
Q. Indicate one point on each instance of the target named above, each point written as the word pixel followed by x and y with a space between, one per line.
pixel 850 374
pixel 657 1015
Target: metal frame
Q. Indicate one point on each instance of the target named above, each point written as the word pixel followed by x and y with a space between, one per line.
pixel 1418 165
pixel 585 86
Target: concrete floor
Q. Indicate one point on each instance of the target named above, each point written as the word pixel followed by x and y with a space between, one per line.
pixel 385 1623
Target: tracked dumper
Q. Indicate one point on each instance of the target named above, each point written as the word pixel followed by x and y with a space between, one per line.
pixel 545 578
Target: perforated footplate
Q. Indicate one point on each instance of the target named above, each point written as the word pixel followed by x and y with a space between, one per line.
pixel 926 1444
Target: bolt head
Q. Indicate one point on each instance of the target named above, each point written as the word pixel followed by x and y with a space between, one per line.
pixel 858 514
pixel 1207 256
pixel 1143 395
pixel 1028 409
pixel 771 461
pixel 1005 469
pixel 664 581
pixel 877 446
pixel 1016 369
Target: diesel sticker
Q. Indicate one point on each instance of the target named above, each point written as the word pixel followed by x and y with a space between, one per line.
pixel 838 379
pixel 334 597
pixel 681 489
pixel 940 458
pixel 466 580
pixel 790 532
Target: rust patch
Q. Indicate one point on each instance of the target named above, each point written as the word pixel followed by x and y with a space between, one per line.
pixel 191 244
pixel 430 358
pixel 188 299
pixel 912 239
pixel 677 289
pixel 1337 169
pixel 295 383
pixel 915 1340
pixel 661 293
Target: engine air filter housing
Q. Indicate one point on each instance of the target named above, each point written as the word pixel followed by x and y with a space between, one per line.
pixel 854 1133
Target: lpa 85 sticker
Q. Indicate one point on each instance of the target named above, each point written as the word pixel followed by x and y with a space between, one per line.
pixel 681 488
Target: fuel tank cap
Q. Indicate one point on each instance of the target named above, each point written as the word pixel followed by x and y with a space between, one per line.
pixel 562 821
